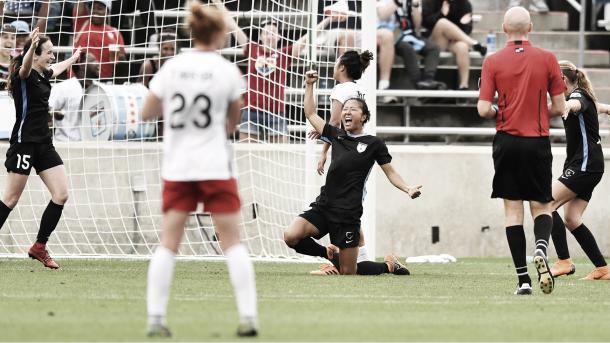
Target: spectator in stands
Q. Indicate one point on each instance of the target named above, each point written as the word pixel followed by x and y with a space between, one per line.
pixel 406 17
pixel 45 14
pixel 449 22
pixel 96 37
pixel 22 33
pixel 268 63
pixel 67 96
pixel 536 6
pixel 341 34
pixel 167 49
pixel 7 44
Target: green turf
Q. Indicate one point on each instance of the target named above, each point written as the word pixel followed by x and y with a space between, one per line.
pixel 470 300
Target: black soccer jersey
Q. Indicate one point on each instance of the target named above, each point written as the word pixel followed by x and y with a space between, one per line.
pixel 584 149
pixel 31 97
pixel 352 160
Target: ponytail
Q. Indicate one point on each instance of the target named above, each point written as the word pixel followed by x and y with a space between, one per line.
pixel 578 78
pixel 355 64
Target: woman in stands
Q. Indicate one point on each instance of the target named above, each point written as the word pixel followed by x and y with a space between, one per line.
pixel 583 169
pixel 31 144
pixel 167 49
pixel 338 208
pixel 199 94
pixel 449 23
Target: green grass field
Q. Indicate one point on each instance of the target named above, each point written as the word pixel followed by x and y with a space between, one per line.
pixel 470 300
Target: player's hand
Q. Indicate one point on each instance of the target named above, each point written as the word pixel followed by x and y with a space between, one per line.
pixel 445 8
pixel 313 134
pixel 76 55
pixel 414 192
pixel 321 163
pixel 337 17
pixel 311 77
pixel 35 37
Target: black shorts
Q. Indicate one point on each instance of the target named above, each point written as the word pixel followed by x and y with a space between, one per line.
pixel 580 182
pixel 21 157
pixel 343 234
pixel 523 168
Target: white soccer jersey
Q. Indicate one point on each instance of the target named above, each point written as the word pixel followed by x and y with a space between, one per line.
pixel 346 90
pixel 196 88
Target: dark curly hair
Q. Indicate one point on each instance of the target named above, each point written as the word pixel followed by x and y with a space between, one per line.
pixel 355 63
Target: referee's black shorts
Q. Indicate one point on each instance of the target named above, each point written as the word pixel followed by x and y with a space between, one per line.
pixel 522 168
pixel 580 182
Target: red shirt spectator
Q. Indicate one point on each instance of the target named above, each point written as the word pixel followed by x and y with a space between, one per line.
pixel 95 37
pixel 267 77
pixel 522 87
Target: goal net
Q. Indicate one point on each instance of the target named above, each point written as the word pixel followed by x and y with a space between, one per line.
pixel 113 158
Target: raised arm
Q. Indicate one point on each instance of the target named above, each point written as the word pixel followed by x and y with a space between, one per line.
pixel 239 34
pixel 318 123
pixel 28 58
pixel 60 67
pixel 301 44
pixel 396 180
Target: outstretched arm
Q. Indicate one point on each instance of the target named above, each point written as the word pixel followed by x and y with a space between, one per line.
pixel 602 108
pixel 396 180
pixel 310 104
pixel 60 67
pixel 239 34
pixel 301 44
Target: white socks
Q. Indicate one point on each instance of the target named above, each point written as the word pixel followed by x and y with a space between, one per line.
pixel 384 84
pixel 160 275
pixel 362 255
pixel 241 272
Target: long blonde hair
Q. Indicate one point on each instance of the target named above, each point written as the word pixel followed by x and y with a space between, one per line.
pixel 577 77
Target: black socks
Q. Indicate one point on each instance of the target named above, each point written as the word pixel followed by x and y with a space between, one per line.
pixel 308 246
pixel 49 221
pixel 372 268
pixel 559 237
pixel 586 240
pixel 516 242
pixel 4 212
pixel 543 225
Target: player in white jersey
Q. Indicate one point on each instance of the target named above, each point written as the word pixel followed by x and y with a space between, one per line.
pixel 199 94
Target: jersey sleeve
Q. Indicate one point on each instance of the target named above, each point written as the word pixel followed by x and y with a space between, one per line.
pixel 238 84
pixel 556 85
pixel 487 88
pixel 585 103
pixel 156 83
pixel 331 133
pixel 382 155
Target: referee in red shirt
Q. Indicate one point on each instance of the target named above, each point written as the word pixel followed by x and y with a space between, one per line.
pixel 522 75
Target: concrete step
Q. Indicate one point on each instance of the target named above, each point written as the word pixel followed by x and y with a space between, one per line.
pixel 491 5
pixel 553 40
pixel 552 21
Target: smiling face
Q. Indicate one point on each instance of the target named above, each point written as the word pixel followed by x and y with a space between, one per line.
pixel 7 44
pixel 269 36
pixel 46 57
pixel 353 116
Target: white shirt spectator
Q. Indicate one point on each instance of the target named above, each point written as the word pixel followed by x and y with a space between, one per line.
pixel 67 97
pixel 196 88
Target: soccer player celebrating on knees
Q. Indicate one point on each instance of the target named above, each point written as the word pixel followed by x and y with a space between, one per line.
pixel 199 94
pixel 522 75
pixel 338 208
pixel 31 143
pixel 582 171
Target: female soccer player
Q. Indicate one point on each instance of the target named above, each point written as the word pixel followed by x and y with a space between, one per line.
pixel 583 169
pixel 31 142
pixel 338 208
pixel 199 94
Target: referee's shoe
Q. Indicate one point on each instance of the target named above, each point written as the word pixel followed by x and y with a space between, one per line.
pixel 545 278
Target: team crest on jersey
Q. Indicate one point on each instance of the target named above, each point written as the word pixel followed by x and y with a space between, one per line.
pixel 265 65
pixel 361 147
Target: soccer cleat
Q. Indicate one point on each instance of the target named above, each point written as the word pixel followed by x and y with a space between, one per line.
pixel 524 289
pixel 247 328
pixel 599 273
pixel 158 330
pixel 545 278
pixel 39 252
pixel 563 267
pixel 394 266
pixel 325 269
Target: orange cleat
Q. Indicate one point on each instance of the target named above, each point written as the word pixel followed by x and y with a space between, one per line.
pixel 563 267
pixel 394 266
pixel 599 273
pixel 325 269
pixel 39 252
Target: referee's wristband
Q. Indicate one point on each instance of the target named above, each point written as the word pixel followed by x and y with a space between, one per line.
pixel 495 108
